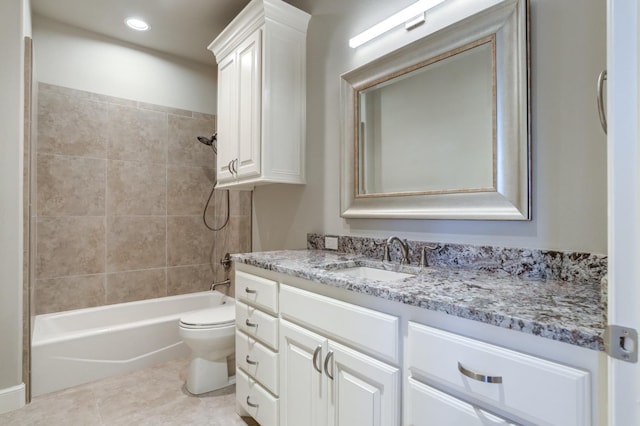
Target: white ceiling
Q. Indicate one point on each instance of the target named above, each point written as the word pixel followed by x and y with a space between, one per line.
pixel 182 28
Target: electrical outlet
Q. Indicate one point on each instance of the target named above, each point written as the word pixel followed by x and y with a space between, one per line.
pixel 331 243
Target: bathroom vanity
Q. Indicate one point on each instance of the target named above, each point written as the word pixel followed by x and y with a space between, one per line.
pixel 327 338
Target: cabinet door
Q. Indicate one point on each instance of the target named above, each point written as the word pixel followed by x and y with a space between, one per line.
pixel 249 106
pixel 302 386
pixel 363 391
pixel 227 115
pixel 430 407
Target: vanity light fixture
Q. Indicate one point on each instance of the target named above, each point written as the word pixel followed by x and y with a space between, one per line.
pixel 411 16
pixel 137 24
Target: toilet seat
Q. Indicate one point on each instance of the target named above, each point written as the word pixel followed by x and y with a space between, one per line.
pixel 216 317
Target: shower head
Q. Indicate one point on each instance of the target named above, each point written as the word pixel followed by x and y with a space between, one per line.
pixel 209 141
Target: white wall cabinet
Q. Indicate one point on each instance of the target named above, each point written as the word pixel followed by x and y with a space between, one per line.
pixel 261 59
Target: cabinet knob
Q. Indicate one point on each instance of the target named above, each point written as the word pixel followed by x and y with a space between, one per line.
pixel 251 362
pixel 250 324
pixel 249 291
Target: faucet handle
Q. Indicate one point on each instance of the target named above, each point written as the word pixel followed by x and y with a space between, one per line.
pixel 386 257
pixel 423 254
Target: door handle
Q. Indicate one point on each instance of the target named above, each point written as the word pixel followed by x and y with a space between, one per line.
pixel 602 114
pixel 326 365
pixel 479 377
pixel 317 352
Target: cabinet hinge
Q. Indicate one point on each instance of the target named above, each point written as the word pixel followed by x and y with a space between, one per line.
pixel 621 343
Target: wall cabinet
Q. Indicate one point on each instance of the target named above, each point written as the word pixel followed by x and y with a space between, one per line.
pixel 261 59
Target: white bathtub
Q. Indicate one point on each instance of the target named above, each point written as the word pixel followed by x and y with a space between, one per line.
pixel 74 347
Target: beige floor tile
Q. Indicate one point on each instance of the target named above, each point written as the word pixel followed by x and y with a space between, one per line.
pixel 153 396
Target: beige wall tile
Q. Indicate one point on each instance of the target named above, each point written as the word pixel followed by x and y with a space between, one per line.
pixel 63 294
pixel 135 188
pixel 137 134
pixel 188 279
pixel 188 189
pixel 184 147
pixel 71 125
pixel 135 243
pixel 70 186
pixel 70 246
pixel 136 285
pixel 240 234
pixel 240 203
pixel 188 241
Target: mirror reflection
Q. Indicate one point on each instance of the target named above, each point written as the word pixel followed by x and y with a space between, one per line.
pixel 406 143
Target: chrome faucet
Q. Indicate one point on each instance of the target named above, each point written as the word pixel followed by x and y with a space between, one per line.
pixel 226 283
pixel 404 249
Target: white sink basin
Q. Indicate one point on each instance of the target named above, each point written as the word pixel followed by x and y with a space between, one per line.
pixel 375 274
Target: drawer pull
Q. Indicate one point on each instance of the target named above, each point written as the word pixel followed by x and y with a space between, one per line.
pixel 479 377
pixel 317 352
pixel 250 324
pixel 251 404
pixel 250 362
pixel 249 291
pixel 326 364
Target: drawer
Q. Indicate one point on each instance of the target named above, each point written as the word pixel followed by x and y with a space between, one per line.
pixel 537 390
pixel 256 323
pixel 428 406
pixel 258 361
pixel 257 291
pixel 256 401
pixel 361 328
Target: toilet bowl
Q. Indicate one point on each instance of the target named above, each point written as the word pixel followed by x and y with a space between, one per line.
pixel 210 334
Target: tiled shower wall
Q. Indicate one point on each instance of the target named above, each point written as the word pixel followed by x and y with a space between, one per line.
pixel 121 188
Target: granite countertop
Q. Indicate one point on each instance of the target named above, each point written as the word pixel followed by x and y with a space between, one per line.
pixel 564 311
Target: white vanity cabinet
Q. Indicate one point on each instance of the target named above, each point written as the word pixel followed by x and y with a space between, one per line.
pixel 324 382
pixel 515 385
pixel 261 59
pixel 257 358
pixel 311 354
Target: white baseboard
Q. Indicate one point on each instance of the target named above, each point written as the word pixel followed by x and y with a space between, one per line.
pixel 12 398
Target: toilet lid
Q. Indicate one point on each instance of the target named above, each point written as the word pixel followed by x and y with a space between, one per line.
pixel 217 316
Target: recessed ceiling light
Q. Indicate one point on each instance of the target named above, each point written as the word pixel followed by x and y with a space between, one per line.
pixel 137 24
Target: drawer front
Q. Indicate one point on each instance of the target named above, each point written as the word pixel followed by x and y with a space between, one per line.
pixel 256 323
pixel 361 328
pixel 256 401
pixel 540 391
pixel 258 361
pixel 257 291
pixel 429 407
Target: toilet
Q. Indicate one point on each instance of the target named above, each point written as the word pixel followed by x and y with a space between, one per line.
pixel 210 334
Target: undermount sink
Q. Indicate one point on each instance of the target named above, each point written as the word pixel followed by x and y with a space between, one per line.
pixel 375 274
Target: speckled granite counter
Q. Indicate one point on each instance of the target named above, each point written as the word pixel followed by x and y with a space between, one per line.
pixel 560 310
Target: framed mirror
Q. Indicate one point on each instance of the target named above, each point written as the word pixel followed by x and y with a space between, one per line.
pixel 439 129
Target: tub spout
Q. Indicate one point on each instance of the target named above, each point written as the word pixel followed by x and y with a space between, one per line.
pixel 226 283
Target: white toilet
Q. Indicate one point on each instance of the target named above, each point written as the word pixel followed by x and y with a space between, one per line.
pixel 210 334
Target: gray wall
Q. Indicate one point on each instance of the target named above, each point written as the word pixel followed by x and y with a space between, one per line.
pixel 11 197
pixel 568 146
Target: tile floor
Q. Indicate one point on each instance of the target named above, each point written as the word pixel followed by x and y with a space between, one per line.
pixel 154 396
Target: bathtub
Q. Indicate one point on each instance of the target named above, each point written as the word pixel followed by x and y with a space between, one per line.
pixel 74 347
